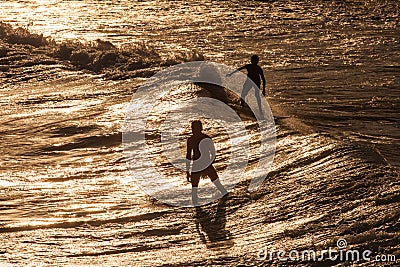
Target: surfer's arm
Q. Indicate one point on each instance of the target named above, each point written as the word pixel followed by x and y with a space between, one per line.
pixel 233 72
pixel 263 81
pixel 212 151
pixel 188 158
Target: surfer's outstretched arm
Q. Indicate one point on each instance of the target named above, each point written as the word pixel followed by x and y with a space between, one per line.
pixel 233 72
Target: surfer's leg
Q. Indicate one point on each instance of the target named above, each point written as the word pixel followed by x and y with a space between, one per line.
pixel 220 187
pixel 258 98
pixel 245 91
pixel 195 183
pixel 212 173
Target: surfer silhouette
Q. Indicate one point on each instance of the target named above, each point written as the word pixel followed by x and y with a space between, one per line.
pixel 200 149
pixel 255 74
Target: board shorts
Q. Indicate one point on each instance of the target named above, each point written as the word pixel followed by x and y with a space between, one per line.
pixel 209 171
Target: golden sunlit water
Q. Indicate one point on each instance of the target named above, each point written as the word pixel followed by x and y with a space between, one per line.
pixel 67 197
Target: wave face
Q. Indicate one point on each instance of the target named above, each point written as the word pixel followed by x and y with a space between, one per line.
pixel 66 195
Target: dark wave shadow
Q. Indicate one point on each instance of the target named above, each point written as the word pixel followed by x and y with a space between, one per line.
pixel 108 140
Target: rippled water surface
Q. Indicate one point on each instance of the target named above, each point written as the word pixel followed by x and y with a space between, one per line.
pixel 332 69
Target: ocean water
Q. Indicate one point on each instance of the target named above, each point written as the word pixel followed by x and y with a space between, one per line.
pixel 67 197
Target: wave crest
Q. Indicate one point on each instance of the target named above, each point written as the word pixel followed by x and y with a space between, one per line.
pixel 99 56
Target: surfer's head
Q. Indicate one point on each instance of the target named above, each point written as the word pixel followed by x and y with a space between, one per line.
pixel 254 59
pixel 197 126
